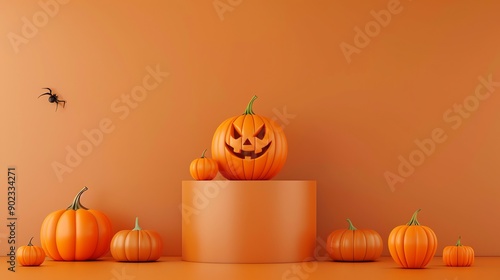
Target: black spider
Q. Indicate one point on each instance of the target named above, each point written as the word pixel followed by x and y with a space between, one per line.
pixel 53 98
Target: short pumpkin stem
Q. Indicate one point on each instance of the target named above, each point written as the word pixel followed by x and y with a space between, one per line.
pixel 249 109
pixel 459 242
pixel 137 227
pixel 351 226
pixel 29 243
pixel 76 202
pixel 203 154
pixel 414 221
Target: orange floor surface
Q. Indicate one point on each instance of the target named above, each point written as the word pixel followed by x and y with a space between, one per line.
pixel 173 268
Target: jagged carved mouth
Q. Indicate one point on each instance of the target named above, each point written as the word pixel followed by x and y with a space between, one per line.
pixel 248 154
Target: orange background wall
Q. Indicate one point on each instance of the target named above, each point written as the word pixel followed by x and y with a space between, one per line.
pixel 347 124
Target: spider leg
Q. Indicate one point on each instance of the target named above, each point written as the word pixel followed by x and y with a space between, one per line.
pixel 63 102
pixel 47 93
pixel 44 94
pixel 57 104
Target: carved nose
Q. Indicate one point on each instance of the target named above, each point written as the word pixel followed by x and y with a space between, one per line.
pixel 247 142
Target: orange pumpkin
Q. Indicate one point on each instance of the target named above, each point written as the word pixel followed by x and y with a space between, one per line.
pixel 203 168
pixel 249 147
pixel 412 245
pixel 76 233
pixel 136 245
pixel 30 255
pixel 458 255
pixel 354 244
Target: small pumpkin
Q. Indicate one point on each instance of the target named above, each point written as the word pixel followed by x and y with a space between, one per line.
pixel 203 168
pixel 76 233
pixel 354 244
pixel 249 146
pixel 458 255
pixel 136 245
pixel 412 245
pixel 30 255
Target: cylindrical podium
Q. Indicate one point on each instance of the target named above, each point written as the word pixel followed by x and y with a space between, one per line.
pixel 248 221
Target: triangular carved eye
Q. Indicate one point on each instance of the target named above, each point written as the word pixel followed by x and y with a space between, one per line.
pixel 235 133
pixel 261 132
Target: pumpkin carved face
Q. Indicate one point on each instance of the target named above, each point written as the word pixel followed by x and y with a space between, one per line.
pixel 249 147
pixel 248 142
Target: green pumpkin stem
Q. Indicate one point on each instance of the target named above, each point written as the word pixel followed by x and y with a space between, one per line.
pixel 29 243
pixel 203 154
pixel 459 242
pixel 249 109
pixel 137 227
pixel 351 226
pixel 76 202
pixel 414 221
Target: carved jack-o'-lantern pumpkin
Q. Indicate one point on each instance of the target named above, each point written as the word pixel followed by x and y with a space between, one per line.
pixel 249 147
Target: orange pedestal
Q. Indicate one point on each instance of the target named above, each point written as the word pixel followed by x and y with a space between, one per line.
pixel 248 221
